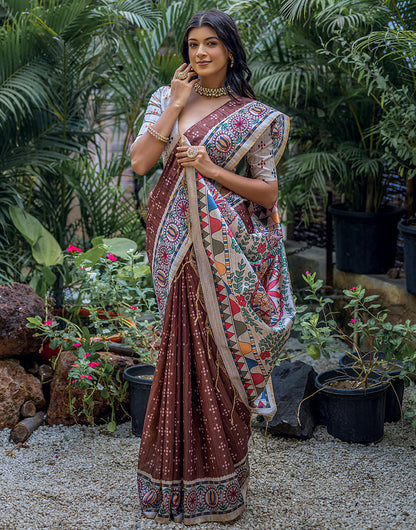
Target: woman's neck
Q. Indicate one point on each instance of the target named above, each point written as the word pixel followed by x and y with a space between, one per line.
pixel 212 81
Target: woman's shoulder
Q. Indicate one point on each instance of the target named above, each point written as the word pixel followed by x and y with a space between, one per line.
pixel 161 94
pixel 256 107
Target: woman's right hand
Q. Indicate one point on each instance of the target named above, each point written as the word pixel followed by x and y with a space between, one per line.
pixel 181 88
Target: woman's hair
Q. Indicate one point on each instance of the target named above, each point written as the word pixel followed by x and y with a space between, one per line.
pixel 239 75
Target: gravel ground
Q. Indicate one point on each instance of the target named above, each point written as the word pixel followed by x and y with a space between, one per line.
pixel 82 478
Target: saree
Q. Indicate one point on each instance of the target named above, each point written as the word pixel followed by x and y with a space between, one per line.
pixel 223 291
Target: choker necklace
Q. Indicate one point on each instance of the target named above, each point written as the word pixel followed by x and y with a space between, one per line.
pixel 210 92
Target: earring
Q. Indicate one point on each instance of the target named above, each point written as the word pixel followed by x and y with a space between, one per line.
pixel 231 61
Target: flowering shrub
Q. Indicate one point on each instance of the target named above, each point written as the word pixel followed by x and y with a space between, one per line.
pixel 369 329
pixel 111 288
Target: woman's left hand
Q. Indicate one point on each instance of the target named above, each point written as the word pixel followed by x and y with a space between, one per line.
pixel 202 162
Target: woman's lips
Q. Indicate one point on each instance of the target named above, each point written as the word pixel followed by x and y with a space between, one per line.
pixel 203 63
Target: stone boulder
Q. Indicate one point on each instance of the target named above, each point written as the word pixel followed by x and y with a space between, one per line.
pixel 292 383
pixel 16 387
pixel 17 302
pixel 59 411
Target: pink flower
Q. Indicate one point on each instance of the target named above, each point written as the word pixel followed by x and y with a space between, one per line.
pixel 82 268
pixel 133 307
pixel 354 288
pixel 111 257
pixel 87 354
pixel 89 377
pixel 307 273
pixel 77 344
pixel 241 300
pixel 94 364
pixel 353 321
pixel 49 323
pixel 75 365
pixel 73 381
pixel 71 248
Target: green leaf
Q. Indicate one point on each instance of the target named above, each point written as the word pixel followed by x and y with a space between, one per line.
pixel 111 426
pixel 45 248
pixel 28 226
pixel 105 394
pixel 119 246
pixel 50 277
pixel 314 352
pixel 91 256
pixel 96 241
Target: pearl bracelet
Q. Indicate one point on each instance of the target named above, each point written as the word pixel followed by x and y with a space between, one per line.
pixel 164 139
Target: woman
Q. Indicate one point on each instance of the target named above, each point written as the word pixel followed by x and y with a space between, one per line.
pixel 215 247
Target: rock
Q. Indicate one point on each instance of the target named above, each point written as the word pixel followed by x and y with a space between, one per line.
pixel 16 387
pixel 292 382
pixel 16 304
pixel 59 411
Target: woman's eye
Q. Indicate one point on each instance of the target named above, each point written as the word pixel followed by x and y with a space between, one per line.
pixel 193 45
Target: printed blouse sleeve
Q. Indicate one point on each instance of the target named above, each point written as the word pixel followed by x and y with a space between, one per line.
pixel 153 112
pixel 261 158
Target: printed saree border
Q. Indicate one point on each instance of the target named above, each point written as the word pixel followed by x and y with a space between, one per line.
pixel 161 500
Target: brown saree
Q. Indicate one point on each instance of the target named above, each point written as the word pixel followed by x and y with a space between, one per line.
pixel 224 297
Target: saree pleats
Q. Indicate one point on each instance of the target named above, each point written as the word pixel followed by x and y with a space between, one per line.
pixel 193 457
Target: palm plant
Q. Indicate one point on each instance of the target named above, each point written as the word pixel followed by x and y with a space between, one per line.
pixel 52 71
pixel 296 66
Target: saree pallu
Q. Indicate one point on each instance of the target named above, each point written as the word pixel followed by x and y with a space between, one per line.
pixel 224 296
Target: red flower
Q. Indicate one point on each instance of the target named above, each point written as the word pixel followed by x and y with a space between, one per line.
pixel 77 345
pixel 94 364
pixel 87 355
pixel 49 323
pixel 353 288
pixel 111 257
pixel 71 248
pixel 133 307
pixel 261 248
pixel 241 300
pixel 353 321
pixel 264 354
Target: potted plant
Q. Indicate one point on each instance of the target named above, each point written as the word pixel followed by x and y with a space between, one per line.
pixel 336 106
pixel 354 399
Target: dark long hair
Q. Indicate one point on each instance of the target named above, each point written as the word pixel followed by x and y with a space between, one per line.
pixel 239 75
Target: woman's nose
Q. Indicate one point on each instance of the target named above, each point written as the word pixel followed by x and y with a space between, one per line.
pixel 201 50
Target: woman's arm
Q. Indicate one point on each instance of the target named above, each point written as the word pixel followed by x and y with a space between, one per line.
pixel 256 190
pixel 146 149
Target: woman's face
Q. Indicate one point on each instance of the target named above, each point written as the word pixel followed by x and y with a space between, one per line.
pixel 207 54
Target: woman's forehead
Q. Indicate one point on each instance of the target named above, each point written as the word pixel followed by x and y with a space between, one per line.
pixel 202 33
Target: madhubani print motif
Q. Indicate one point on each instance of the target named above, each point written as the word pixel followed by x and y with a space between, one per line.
pixel 194 499
pixel 252 287
pixel 225 140
pixel 174 240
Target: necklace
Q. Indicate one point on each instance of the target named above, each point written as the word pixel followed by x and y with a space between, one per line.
pixel 210 92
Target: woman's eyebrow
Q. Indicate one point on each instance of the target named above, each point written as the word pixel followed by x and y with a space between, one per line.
pixel 208 38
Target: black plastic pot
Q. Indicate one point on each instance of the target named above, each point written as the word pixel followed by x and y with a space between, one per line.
pixel 352 415
pixel 394 395
pixel 139 390
pixel 409 237
pixel 365 242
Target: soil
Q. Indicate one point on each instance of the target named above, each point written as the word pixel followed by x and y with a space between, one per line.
pixel 350 384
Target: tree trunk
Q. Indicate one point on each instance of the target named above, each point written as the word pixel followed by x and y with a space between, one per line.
pixel 28 409
pixel 24 428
